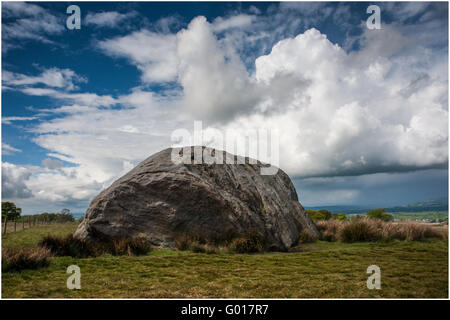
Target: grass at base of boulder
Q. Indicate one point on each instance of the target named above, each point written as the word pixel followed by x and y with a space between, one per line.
pixel 323 270
pixel 415 269
pixel 70 246
pixel 251 242
pixel 306 236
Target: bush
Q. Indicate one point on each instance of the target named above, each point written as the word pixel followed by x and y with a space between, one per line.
pixel 14 260
pixel 380 214
pixel 315 215
pixel 339 216
pixel 250 243
pixel 326 214
pixel 70 246
pixel 306 237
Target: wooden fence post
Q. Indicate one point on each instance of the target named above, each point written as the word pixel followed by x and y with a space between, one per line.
pixel 29 221
pixel 23 223
pixel 4 229
pixel 15 224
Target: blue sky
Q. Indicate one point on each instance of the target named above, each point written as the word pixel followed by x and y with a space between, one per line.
pixel 363 114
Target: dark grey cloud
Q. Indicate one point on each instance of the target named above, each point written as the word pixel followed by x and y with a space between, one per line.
pixel 52 164
pixel 377 190
pixel 13 182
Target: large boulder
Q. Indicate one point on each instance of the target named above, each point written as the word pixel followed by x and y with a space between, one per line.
pixel 161 200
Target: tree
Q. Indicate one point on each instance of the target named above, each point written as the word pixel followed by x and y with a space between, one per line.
pixel 326 213
pixel 10 211
pixel 380 214
pixel 65 211
pixel 339 216
pixel 65 215
pixel 315 215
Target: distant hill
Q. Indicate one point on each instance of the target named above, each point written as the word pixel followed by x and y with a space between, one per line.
pixel 78 215
pixel 440 204
pixel 343 208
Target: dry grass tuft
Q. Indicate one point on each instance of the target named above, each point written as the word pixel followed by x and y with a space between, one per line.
pixel 306 236
pixel 360 230
pixel 70 246
pixel 328 229
pixel 412 231
pixel 364 229
pixel 17 259
pixel 445 233
pixel 250 243
pixel 196 244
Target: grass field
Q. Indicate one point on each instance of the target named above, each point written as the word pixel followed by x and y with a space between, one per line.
pixel 417 269
pixel 432 215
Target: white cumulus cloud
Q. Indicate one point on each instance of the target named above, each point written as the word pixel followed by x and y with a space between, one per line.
pixel 153 53
pixel 338 112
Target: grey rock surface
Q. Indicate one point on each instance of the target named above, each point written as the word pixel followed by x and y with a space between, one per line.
pixel 160 201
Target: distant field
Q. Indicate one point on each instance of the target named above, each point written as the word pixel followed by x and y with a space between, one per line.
pixel 432 215
pixel 31 236
pixel 322 270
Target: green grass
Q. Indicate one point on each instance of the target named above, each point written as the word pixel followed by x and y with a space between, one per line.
pixel 322 270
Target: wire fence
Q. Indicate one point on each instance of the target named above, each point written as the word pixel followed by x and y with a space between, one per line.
pixel 25 222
